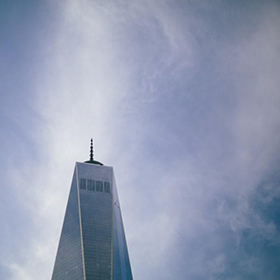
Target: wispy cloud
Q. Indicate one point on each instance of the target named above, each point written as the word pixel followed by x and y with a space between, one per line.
pixel 182 99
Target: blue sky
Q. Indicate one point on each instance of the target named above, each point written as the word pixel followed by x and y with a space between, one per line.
pixel 182 99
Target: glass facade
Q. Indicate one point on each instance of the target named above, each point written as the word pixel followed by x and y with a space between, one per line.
pixel 122 269
pixel 92 244
pixel 69 260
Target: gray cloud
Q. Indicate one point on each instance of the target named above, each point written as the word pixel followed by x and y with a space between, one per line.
pixel 182 99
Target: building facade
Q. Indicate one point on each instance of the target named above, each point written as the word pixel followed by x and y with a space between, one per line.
pixel 92 245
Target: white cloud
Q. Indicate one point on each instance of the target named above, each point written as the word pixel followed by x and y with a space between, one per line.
pixel 136 78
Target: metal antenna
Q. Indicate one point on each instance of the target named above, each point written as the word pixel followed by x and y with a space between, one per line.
pixel 91 155
pixel 91 150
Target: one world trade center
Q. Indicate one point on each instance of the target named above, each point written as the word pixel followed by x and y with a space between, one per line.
pixel 92 244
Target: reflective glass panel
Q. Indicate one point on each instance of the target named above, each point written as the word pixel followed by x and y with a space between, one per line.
pixel 91 185
pixel 68 263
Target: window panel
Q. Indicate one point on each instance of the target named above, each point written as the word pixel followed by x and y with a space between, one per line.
pixel 99 186
pixel 91 185
pixel 107 187
pixel 83 184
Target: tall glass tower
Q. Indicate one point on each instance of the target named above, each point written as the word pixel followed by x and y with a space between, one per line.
pixel 92 245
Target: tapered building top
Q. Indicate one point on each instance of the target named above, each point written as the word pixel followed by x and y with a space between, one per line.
pixel 92 244
pixel 91 155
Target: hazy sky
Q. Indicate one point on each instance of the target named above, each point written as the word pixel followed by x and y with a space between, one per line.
pixel 182 98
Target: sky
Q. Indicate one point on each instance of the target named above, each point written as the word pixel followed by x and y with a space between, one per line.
pixel 182 98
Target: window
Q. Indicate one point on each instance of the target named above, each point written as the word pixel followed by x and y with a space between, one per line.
pixel 99 186
pixel 83 185
pixel 91 185
pixel 107 187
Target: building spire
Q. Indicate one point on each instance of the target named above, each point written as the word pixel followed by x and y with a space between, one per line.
pixel 91 155
pixel 91 150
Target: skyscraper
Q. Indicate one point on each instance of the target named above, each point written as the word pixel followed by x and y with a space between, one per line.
pixel 92 245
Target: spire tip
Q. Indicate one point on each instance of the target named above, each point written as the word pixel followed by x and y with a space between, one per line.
pixel 91 150
pixel 91 155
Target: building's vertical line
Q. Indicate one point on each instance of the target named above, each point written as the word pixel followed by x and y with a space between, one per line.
pixel 80 221
pixel 125 244
pixel 112 226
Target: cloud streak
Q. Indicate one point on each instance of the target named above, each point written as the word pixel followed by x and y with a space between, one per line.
pixel 182 99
